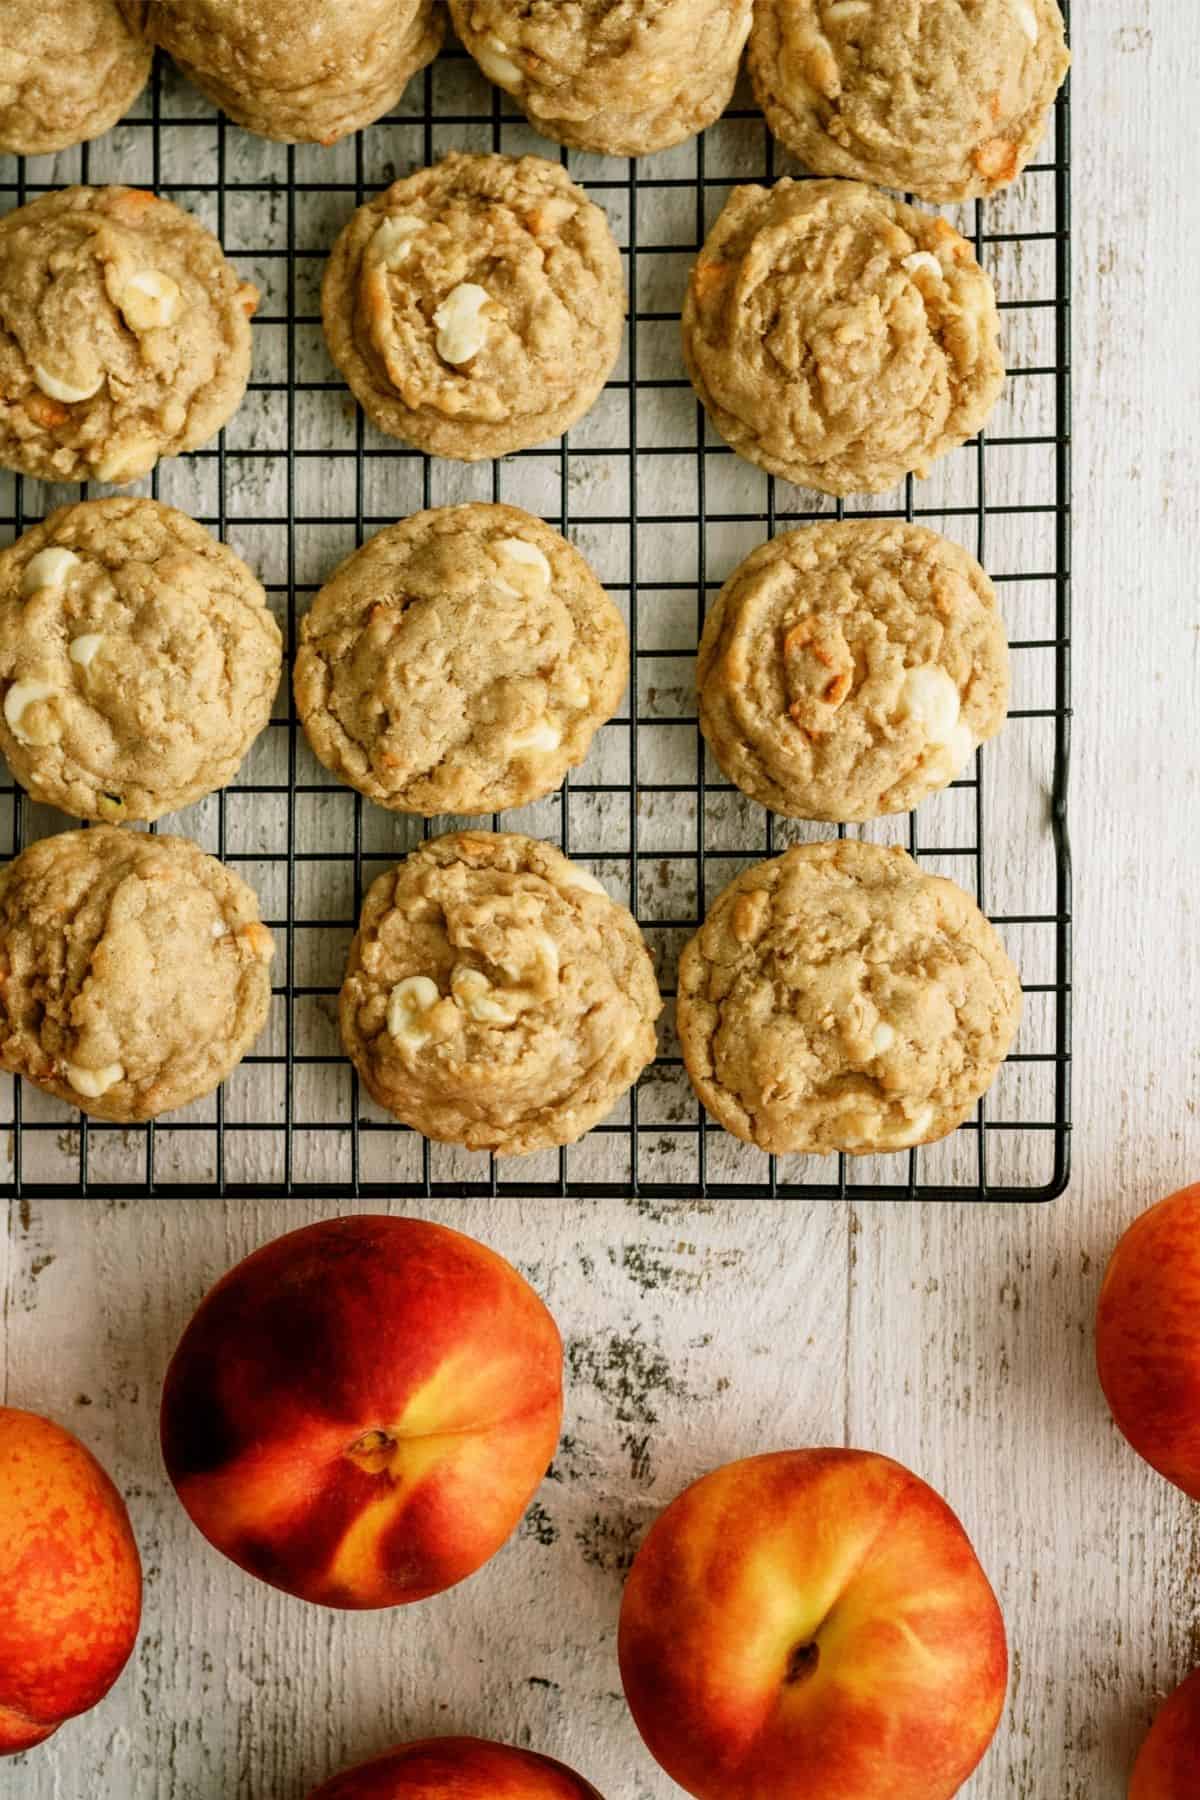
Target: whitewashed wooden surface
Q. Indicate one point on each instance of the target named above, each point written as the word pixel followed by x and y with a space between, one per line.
pixel 958 1340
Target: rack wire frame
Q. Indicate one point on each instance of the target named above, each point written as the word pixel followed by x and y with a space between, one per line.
pixel 292 1121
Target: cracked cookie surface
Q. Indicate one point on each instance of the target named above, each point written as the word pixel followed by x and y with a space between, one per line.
pixel 138 660
pixel 476 307
pixel 135 971
pixel 124 335
pixel 838 338
pixel 621 77
pixel 496 996
pixel 460 662
pixel 848 670
pixel 308 71
pixel 837 998
pixel 68 71
pixel 932 97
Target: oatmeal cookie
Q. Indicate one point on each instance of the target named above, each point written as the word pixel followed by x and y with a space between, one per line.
pixel 136 971
pixel 838 338
pixel 138 660
pixel 68 71
pixel 848 670
pixel 837 998
pixel 477 307
pixel 460 662
pixel 124 335
pixel 495 996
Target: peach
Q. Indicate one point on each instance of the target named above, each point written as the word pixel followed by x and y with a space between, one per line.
pixel 70 1580
pixel 1148 1337
pixel 457 1769
pixel 812 1625
pixel 1168 1764
pixel 359 1412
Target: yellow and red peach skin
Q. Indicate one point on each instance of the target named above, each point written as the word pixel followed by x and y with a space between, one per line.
pixel 1148 1337
pixel 457 1769
pixel 70 1580
pixel 812 1625
pixel 360 1412
pixel 1168 1763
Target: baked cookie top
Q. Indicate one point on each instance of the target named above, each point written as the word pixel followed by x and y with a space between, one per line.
pixel 933 97
pixel 299 70
pixel 138 660
pixel 496 996
pixel 460 662
pixel 622 77
pixel 124 335
pixel 476 307
pixel 837 998
pixel 847 670
pixel 68 71
pixel 839 338
pixel 136 970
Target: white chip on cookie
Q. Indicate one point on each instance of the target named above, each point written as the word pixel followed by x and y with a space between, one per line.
pixel 69 388
pixel 48 569
pixel 20 697
pixel 493 58
pixel 477 997
pixel 930 697
pixel 526 556
pixel 83 649
pixel 91 1083
pixel 409 1003
pixel 1028 19
pixel 150 300
pixel 462 328
pixel 922 259
pixel 540 736
pixel 883 1037
pixel 394 238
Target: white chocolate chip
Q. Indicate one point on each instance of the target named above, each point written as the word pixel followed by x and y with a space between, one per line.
pixel 408 1003
pixel 461 327
pixel 1028 19
pixel 922 259
pixel 476 995
pixel 59 388
pixel 911 1132
pixel 581 879
pixel 19 698
pixel 393 239
pixel 541 736
pixel 219 928
pixel 493 58
pixel 48 569
pixel 521 556
pixel 929 697
pixel 84 648
pixel 961 747
pixel 94 1082
pixel 150 299
pixel 883 1037
pixel 128 461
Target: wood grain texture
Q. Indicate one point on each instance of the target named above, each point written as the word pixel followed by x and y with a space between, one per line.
pixel 957 1339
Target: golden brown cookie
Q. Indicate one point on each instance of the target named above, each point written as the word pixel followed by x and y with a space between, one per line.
pixel 136 971
pixel 933 97
pixel 837 998
pixel 124 335
pixel 622 77
pixel 839 338
pixel 495 996
pixel 460 662
pixel 138 661
pixel 477 307
pixel 848 670
pixel 307 71
pixel 68 71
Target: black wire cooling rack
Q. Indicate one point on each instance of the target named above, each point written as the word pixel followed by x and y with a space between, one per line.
pixel 664 511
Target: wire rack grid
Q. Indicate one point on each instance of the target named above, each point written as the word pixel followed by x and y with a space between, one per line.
pixel 664 511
